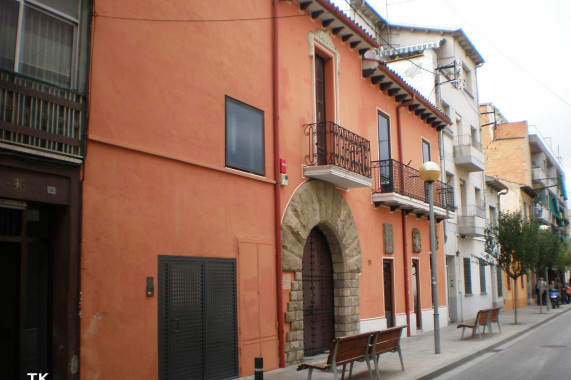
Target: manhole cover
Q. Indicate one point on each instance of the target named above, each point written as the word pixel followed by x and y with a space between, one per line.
pixel 553 346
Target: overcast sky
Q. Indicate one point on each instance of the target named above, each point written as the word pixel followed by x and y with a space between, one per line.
pixel 526 46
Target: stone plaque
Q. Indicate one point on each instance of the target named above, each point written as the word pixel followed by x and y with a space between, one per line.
pixel 416 242
pixel 388 238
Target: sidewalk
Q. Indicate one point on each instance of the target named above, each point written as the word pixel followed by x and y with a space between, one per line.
pixel 420 362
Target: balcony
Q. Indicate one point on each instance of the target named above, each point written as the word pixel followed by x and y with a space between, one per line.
pixel 337 156
pixel 468 153
pixel 472 221
pixel 41 119
pixel 542 214
pixel 399 186
pixel 540 177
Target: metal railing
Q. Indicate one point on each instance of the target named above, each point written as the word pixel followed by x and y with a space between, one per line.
pixel 331 144
pixel 392 176
pixel 474 210
pixel 40 116
pixel 462 140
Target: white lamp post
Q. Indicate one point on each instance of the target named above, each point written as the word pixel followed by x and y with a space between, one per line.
pixel 430 172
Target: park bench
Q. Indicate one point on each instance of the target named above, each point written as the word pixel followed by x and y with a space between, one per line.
pixel 362 347
pixel 386 341
pixel 343 351
pixel 481 320
pixel 494 318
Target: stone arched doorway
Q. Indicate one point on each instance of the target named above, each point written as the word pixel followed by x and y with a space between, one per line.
pixel 319 204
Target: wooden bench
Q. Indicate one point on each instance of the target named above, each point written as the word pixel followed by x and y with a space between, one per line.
pixel 343 351
pixel 386 341
pixel 481 320
pixel 362 347
pixel 494 318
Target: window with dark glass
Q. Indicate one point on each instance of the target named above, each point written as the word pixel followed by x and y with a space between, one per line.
pixel 467 276
pixel 425 151
pixel 384 137
pixel 38 39
pixel 244 137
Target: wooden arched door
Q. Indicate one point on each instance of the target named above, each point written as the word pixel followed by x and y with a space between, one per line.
pixel 317 276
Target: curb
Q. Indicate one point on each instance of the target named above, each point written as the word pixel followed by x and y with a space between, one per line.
pixel 457 363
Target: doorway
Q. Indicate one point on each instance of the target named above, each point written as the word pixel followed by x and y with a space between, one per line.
pixel 197 318
pixel 388 285
pixel 416 293
pixel 25 323
pixel 317 278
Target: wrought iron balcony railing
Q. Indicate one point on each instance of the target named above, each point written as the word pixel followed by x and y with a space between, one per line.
pixel 331 144
pixel 392 176
pixel 41 117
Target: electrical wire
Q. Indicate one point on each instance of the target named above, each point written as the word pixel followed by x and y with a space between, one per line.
pixel 508 58
pixel 124 18
pixel 384 40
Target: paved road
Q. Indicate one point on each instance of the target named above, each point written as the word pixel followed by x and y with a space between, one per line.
pixel 542 354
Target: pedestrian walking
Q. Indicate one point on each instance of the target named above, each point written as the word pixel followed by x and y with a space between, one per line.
pixel 541 289
pixel 554 294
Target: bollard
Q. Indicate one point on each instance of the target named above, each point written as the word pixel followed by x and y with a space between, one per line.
pixel 259 368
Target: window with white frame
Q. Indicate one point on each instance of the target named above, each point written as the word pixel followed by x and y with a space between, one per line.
pixel 39 38
pixel 244 137
pixel 467 76
pixel 425 150
pixel 482 277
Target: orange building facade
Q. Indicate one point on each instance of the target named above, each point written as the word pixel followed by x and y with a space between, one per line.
pixel 250 189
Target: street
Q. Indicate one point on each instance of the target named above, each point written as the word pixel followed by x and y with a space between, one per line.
pixel 540 354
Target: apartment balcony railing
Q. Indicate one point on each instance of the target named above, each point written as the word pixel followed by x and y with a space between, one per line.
pixel 543 214
pixel 41 119
pixel 337 155
pixel 540 176
pixel 399 186
pixel 468 153
pixel 472 221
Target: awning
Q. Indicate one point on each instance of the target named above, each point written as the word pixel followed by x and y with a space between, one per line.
pixel 554 207
pixel 562 187
pixel 411 48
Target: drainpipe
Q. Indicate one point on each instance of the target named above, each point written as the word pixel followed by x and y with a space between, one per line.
pixel 277 211
pixel 403 220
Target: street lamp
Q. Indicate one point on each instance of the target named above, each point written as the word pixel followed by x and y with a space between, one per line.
pixel 429 172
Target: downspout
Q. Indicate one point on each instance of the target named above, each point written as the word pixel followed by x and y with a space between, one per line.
pixel 503 192
pixel 403 220
pixel 277 205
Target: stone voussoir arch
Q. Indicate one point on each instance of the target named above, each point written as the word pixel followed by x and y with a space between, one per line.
pixel 317 203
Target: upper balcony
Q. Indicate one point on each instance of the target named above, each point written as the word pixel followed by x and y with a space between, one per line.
pixel 472 221
pixel 41 119
pixel 468 153
pixel 399 186
pixel 543 214
pixel 540 177
pixel 337 155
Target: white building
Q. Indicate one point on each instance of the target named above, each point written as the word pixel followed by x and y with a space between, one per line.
pixel 441 64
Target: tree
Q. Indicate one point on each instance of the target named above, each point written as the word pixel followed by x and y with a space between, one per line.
pixel 550 251
pixel 512 245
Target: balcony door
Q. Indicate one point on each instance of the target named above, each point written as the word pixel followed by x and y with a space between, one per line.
pixel 320 110
pixel 385 149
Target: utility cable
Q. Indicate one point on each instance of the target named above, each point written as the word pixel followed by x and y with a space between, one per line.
pixel 510 59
